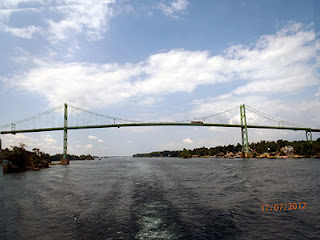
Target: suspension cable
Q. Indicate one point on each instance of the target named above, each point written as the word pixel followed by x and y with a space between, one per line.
pixel 33 117
pixel 272 118
pixel 213 115
pixel 104 116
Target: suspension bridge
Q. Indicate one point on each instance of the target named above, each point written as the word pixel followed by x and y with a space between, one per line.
pixel 58 119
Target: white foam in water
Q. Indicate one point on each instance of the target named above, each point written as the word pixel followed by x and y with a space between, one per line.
pixel 151 225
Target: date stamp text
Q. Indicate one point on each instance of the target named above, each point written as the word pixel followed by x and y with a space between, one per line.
pixel 284 206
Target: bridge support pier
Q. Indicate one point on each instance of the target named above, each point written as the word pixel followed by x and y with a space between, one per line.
pixel 244 132
pixel 309 135
pixel 65 159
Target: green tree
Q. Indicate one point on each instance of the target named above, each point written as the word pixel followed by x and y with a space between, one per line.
pixel 185 154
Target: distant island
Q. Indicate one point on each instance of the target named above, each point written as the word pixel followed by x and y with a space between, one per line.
pixel 262 149
pixel 58 157
pixel 18 159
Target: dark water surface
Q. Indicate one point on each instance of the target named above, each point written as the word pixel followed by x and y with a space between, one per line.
pixel 162 198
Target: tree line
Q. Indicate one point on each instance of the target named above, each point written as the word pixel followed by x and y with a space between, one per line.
pixel 303 148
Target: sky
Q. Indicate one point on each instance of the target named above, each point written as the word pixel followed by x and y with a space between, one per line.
pixel 165 61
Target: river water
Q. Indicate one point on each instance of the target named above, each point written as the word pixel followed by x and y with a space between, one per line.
pixel 163 198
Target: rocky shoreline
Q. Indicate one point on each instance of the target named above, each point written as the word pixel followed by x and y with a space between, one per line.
pixel 8 166
pixel 255 155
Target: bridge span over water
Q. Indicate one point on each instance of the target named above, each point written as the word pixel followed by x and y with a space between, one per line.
pixel 119 123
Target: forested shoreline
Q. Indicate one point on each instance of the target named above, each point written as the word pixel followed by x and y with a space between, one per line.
pixel 271 149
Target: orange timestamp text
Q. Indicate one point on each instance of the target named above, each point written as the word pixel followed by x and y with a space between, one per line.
pixel 284 206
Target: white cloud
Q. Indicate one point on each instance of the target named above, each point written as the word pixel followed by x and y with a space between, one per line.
pixel 72 18
pixel 46 143
pixel 150 101
pixel 11 7
pixel 84 84
pixel 282 63
pixel 92 137
pixel 9 4
pixel 88 19
pixel 26 32
pixel 5 15
pixel 89 146
pixel 174 7
pixel 188 140
pixel 50 140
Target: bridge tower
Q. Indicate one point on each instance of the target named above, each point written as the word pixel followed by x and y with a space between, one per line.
pixel 65 159
pixel 309 136
pixel 244 132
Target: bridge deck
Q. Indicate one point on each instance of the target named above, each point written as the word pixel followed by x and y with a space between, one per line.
pixel 159 124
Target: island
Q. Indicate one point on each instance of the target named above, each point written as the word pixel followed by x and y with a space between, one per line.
pixel 18 159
